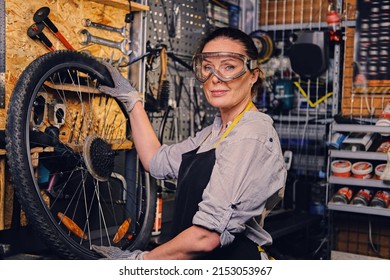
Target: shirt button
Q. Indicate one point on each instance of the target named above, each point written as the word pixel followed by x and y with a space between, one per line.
pixel 271 140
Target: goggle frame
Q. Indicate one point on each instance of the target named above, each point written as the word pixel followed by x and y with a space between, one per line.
pixel 249 65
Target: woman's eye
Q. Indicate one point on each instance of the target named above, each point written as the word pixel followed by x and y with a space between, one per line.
pixel 229 67
pixel 207 68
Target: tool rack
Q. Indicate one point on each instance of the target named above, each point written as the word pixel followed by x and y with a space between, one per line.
pixel 18 50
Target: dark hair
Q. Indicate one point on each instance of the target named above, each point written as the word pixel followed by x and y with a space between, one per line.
pixel 239 36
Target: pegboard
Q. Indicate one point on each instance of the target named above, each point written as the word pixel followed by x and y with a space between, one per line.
pixel 179 26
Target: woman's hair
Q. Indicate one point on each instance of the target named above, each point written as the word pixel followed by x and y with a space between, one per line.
pixel 241 37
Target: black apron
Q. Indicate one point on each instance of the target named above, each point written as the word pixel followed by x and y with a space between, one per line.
pixel 194 174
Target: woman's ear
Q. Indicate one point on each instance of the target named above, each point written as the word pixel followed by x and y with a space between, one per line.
pixel 257 74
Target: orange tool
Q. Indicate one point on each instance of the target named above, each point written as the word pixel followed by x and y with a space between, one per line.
pixel 42 15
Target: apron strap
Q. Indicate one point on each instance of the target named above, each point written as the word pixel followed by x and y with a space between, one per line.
pixel 235 121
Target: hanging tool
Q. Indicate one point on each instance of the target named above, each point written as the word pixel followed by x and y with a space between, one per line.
pixel 88 38
pixel 333 18
pixel 35 31
pixel 163 90
pixel 42 15
pixel 121 30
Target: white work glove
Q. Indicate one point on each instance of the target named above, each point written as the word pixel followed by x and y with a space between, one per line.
pixel 122 90
pixel 115 253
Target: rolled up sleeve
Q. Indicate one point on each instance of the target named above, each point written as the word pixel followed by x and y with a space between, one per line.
pixel 247 172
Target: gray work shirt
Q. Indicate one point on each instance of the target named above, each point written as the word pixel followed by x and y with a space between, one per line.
pixel 249 168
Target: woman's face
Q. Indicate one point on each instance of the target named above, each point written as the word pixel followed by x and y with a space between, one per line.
pixel 225 95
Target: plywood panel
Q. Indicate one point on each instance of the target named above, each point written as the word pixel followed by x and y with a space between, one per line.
pixel 67 15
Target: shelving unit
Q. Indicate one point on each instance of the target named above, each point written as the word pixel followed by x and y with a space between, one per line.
pixel 356 155
pixel 359 209
pixel 368 212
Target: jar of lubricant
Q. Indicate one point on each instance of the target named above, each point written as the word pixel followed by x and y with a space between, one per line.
pixel 362 170
pixel 343 195
pixel 341 168
pixel 381 199
pixel 363 197
pixel 379 170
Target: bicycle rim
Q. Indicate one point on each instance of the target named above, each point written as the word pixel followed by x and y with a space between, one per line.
pixel 68 148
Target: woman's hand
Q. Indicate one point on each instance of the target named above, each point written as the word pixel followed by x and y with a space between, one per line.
pixel 114 253
pixel 122 90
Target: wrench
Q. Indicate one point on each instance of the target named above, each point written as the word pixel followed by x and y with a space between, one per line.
pixel 121 30
pixel 88 38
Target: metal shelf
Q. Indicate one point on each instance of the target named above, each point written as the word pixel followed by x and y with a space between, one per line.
pixel 359 209
pixel 358 155
pixel 361 128
pixel 124 5
pixel 373 183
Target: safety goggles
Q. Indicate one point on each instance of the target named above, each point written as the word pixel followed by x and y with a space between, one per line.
pixel 226 66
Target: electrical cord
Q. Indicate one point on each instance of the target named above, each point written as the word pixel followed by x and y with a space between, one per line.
pixel 371 241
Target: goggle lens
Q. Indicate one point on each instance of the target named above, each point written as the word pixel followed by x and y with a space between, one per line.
pixel 225 66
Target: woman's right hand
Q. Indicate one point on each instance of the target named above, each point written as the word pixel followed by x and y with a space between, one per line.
pixel 122 90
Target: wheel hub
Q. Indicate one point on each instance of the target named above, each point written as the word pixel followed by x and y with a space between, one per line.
pixel 98 157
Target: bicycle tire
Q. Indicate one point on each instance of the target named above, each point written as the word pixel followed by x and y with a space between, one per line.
pixel 67 150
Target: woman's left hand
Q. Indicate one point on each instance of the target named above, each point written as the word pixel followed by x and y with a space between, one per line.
pixel 115 253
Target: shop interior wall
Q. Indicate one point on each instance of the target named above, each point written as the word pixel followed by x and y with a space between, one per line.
pixel 360 97
pixel 301 116
pixel 68 16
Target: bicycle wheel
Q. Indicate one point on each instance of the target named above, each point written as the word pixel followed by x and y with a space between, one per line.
pixel 72 160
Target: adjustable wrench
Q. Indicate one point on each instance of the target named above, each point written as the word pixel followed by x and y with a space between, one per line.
pixel 88 38
pixel 121 30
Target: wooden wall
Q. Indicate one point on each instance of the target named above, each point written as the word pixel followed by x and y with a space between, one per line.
pixel 21 50
pixel 292 11
pixel 67 15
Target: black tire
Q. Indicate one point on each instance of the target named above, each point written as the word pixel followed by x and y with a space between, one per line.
pixel 68 147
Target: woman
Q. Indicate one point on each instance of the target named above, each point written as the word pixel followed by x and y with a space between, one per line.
pixel 227 172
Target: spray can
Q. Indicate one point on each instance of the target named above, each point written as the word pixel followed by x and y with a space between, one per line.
pixel 158 218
